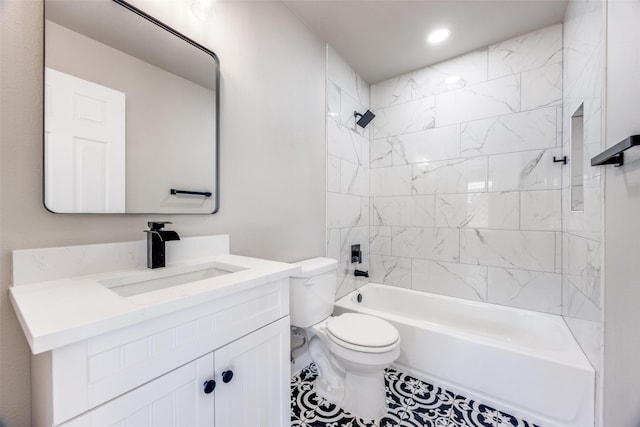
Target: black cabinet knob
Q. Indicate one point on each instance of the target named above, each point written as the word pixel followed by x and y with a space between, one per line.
pixel 227 376
pixel 209 386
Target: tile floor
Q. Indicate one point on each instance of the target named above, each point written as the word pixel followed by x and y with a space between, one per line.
pixel 412 403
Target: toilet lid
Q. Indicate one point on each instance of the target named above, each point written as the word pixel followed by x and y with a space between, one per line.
pixel 363 330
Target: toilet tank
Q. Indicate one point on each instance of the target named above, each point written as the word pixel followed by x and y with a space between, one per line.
pixel 312 292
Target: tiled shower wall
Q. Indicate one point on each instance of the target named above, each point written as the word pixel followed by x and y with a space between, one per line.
pixel 347 171
pixel 582 233
pixel 465 196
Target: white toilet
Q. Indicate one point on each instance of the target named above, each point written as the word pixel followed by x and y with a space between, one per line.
pixel 351 351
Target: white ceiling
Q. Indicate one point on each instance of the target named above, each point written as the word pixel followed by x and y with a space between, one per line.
pixel 384 38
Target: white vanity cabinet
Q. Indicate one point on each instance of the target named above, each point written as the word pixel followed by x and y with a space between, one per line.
pixel 153 373
pixel 117 344
pixel 256 395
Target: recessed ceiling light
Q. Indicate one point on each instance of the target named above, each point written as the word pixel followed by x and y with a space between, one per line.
pixel 201 8
pixel 452 79
pixel 438 36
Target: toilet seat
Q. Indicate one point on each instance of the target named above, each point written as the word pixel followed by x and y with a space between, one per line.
pixel 363 333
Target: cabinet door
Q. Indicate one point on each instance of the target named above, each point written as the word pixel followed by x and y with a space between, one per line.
pixel 174 399
pixel 258 393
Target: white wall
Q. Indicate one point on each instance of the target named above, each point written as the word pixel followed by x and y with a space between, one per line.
pixel 347 171
pixel 621 220
pixel 272 152
pixel 465 194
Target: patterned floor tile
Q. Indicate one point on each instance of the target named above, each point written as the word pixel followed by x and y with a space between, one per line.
pixel 411 403
pixel 469 413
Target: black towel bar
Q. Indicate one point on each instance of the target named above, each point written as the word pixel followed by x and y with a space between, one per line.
pixel 614 155
pixel 193 193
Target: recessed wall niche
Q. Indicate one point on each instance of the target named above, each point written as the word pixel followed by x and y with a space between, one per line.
pixel 576 163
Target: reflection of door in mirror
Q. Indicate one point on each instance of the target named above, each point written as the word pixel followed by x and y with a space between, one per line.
pixel 84 145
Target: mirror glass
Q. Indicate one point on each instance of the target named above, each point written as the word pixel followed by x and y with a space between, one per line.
pixel 130 113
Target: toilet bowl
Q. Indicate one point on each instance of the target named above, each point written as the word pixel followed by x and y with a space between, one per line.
pixel 351 351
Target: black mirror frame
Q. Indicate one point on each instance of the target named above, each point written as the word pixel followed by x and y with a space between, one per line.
pixel 216 191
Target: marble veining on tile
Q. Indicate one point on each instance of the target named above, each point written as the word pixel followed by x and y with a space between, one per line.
pixel 354 179
pixel 527 250
pixel 470 68
pixel 396 90
pixel 575 304
pixel 467 175
pixel 480 210
pixel 530 51
pixel 391 181
pixel 416 147
pixel 441 244
pixel 541 210
pixel 417 211
pixel 345 210
pixel 344 142
pixel 391 270
pixel 453 279
pixel 404 118
pixel 380 240
pixel 532 290
pixel 525 170
pixel 542 87
pixel 506 134
pixel 489 99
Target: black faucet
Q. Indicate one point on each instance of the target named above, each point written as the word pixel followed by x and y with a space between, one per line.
pixel 360 273
pixel 156 237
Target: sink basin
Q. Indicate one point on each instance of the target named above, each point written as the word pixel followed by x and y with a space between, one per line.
pixel 149 281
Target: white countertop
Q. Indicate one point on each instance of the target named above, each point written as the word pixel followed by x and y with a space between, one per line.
pixel 62 311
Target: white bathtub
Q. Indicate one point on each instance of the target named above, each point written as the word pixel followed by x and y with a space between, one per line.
pixel 522 362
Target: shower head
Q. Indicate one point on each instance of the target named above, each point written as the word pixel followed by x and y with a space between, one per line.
pixel 364 119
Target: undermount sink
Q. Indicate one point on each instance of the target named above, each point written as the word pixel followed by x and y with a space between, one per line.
pixel 149 281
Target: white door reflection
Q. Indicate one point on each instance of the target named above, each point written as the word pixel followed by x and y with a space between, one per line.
pixel 84 145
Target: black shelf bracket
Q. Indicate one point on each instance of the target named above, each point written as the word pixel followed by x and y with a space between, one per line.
pixel 614 155
pixel 193 193
pixel 562 160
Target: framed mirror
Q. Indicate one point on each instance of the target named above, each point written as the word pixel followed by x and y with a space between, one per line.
pixel 131 112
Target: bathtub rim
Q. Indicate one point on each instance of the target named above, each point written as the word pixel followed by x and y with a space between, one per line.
pixel 578 358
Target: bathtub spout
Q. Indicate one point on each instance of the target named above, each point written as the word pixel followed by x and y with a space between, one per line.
pixel 360 273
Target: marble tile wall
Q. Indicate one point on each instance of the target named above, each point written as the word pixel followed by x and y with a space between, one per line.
pixel 348 179
pixel 581 230
pixel 465 198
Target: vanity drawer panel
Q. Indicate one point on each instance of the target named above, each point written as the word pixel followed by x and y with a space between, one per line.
pixel 245 317
pixel 119 361
pixel 168 344
pixel 175 399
